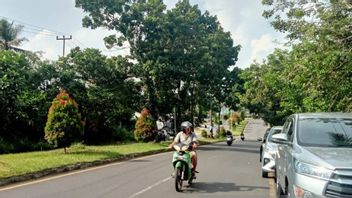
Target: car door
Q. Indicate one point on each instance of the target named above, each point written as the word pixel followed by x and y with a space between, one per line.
pixel 284 152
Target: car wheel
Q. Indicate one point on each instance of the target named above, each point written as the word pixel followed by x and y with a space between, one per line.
pixel 260 154
pixel 279 192
pixel 264 174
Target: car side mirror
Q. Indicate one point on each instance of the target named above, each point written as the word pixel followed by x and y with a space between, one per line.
pixel 259 139
pixel 280 138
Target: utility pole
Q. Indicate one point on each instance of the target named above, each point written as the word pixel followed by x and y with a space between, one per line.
pixel 63 39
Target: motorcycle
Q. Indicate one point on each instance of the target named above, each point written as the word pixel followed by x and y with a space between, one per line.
pixel 242 136
pixel 181 161
pixel 169 133
pixel 229 140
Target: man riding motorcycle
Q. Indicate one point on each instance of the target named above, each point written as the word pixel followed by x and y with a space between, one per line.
pixel 188 137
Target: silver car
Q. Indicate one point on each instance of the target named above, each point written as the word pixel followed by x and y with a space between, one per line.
pixel 314 157
pixel 268 152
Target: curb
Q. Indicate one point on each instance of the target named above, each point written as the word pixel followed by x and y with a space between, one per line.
pixel 83 165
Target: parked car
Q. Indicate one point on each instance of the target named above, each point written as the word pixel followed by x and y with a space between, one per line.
pixel 314 157
pixel 268 151
pixel 263 140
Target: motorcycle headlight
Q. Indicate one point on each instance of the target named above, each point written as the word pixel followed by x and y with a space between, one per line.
pixel 312 171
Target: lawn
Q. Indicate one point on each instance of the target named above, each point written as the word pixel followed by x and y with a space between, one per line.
pixel 23 163
pixel 30 162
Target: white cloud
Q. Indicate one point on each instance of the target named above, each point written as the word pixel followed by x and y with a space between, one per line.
pixel 44 41
pixel 262 47
pixel 94 39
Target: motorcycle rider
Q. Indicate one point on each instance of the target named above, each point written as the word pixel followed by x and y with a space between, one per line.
pixel 188 137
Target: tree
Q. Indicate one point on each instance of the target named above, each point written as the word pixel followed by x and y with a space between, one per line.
pixel 64 124
pixel 180 53
pixel 145 126
pixel 9 35
pixel 315 74
pixel 109 97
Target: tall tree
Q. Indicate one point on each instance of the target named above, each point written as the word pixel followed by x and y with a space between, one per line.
pixel 315 74
pixel 179 52
pixel 9 34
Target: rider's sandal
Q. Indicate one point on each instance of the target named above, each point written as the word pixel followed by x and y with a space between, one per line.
pixel 194 174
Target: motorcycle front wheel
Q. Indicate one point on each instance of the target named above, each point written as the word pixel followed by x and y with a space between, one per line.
pixel 178 179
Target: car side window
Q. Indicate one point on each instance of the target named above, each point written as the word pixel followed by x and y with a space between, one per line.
pixel 290 130
pixel 285 128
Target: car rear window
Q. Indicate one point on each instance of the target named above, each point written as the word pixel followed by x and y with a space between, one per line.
pixel 331 132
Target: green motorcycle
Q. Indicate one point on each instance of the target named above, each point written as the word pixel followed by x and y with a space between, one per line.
pixel 181 161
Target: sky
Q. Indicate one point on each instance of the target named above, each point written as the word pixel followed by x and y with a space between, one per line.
pixel 44 20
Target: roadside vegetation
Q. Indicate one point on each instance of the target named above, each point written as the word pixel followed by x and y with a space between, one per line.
pixel 236 131
pixel 179 66
pixel 108 91
pixel 29 162
pixel 313 73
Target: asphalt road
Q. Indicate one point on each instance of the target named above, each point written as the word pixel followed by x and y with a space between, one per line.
pixel 225 171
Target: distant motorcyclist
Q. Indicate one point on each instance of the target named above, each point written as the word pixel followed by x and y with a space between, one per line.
pixel 188 137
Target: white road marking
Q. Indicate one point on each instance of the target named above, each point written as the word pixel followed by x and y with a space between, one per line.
pixel 74 173
pixel 149 187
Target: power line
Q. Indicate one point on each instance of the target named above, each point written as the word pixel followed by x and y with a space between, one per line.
pixel 34 29
pixel 32 26
pixel 41 30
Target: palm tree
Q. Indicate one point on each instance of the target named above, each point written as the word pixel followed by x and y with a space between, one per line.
pixel 8 35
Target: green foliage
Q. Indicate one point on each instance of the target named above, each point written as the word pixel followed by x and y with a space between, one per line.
pixel 234 119
pixel 222 132
pixel 122 134
pixel 183 54
pixel 204 133
pixel 145 126
pixel 242 115
pixel 9 35
pixel 315 74
pixel 64 124
pixel 226 116
pixel 108 97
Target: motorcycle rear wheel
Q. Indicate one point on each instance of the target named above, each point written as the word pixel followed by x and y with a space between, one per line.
pixel 178 179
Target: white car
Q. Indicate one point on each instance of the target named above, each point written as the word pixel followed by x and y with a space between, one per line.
pixel 268 152
pixel 314 157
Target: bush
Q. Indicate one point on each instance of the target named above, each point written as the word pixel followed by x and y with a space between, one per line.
pixel 5 147
pixel 144 127
pixel 242 115
pixel 222 132
pixel 204 133
pixel 226 116
pixel 22 145
pixel 122 134
pixel 234 119
pixel 64 121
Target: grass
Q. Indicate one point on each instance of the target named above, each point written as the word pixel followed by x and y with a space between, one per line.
pixel 29 162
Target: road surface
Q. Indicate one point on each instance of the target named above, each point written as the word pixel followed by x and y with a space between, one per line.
pixel 225 171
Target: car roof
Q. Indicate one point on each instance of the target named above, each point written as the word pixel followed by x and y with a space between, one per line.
pixel 325 115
